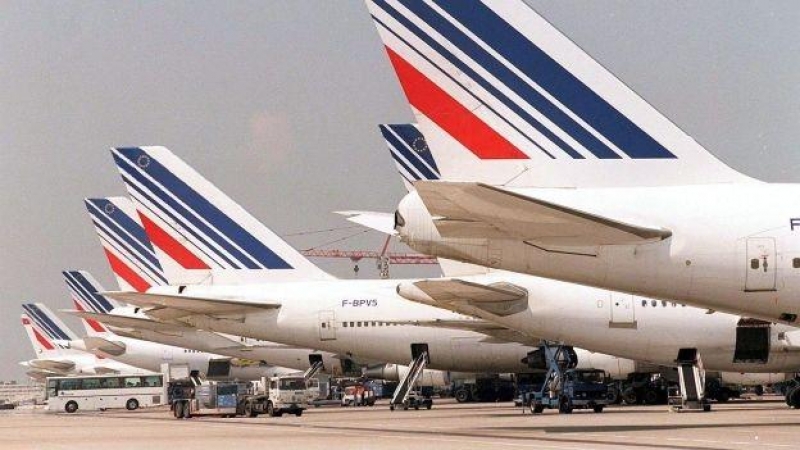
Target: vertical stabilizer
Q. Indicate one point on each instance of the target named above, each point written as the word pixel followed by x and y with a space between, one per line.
pixel 504 98
pixel 49 333
pixel 201 235
pixel 84 290
pixel 128 250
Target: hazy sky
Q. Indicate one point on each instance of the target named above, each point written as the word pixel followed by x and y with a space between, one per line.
pixel 278 102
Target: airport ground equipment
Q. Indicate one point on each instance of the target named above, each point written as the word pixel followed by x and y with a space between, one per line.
pixel 316 366
pixel 484 388
pixel 567 388
pixel 277 395
pixel 189 398
pixel 691 376
pixel 359 394
pixel 404 395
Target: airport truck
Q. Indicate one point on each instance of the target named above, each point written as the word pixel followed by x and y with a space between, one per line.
pixel 189 398
pixel 277 395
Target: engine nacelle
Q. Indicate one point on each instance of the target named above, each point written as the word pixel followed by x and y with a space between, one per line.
pixel 753 379
pixel 395 372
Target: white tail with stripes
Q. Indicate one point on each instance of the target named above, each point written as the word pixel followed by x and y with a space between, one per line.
pixel 502 97
pixel 201 235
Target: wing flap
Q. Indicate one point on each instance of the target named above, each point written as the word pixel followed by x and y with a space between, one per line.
pixel 477 210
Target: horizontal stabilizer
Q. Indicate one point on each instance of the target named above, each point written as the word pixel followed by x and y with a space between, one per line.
pixel 476 210
pixel 455 290
pixel 96 343
pixel 117 321
pixel 175 306
pixel 501 299
pixel 53 365
pixel 378 221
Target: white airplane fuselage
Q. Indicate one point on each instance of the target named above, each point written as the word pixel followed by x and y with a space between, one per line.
pixel 733 247
pixel 150 356
pixel 274 354
pixel 630 326
pixel 357 318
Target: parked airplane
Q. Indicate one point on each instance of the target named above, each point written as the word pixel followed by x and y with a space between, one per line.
pixel 555 168
pixel 200 229
pixel 134 263
pixel 47 333
pixel 104 343
pixel 639 328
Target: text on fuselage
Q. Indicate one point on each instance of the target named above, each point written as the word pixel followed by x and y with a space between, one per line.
pixel 360 302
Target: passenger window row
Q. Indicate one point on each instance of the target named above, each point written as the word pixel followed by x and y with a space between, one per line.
pixel 664 303
pixel 365 323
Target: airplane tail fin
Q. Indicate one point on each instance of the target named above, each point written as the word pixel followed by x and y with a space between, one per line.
pixel 200 234
pixel 84 290
pixel 410 152
pixel 45 330
pixel 42 346
pixel 128 250
pixel 504 98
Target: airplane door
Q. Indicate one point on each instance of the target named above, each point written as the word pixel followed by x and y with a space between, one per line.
pixel 761 265
pixel 621 309
pixel 327 326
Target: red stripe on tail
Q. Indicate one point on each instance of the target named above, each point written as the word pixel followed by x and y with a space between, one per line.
pixel 95 325
pixel 42 340
pixel 126 273
pixel 450 115
pixel 173 248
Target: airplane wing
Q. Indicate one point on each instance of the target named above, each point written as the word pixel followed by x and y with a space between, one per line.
pixel 378 221
pixel 477 210
pixel 496 333
pixel 175 306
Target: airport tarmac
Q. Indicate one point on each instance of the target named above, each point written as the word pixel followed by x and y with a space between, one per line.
pixel 738 424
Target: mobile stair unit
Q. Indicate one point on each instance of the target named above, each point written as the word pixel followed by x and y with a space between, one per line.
pixel 692 378
pixel 404 394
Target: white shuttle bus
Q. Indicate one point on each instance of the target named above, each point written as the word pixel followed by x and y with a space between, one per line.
pixel 101 392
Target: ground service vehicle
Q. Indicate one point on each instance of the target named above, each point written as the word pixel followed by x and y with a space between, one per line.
pixel 287 394
pixel 566 387
pixel 358 395
pixel 207 398
pixel 101 392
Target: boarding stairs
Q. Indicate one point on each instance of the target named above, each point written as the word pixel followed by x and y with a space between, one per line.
pixel 691 377
pixel 406 385
pixel 316 366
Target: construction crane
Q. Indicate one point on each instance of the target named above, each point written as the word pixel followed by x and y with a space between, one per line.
pixel 384 258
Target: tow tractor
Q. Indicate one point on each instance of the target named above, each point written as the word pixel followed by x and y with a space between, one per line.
pixel 565 387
